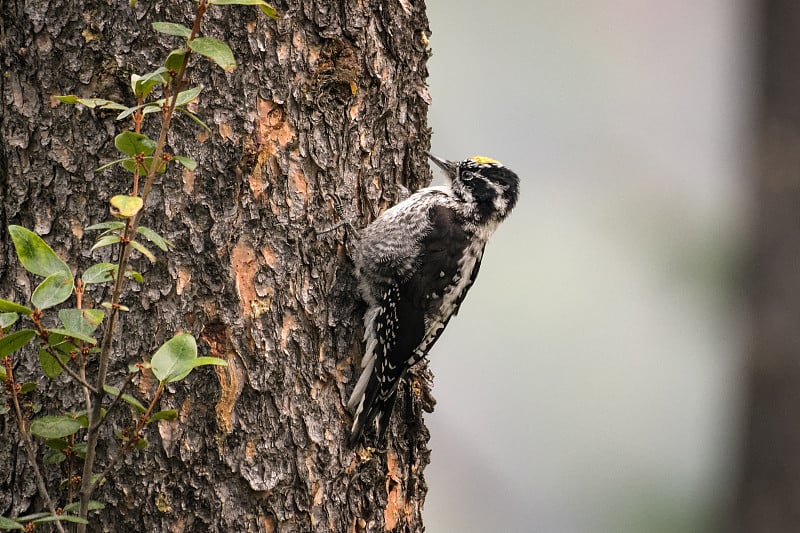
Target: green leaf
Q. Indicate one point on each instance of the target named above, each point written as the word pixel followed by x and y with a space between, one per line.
pixel 141 443
pixel 89 102
pixel 262 5
pixel 11 343
pixel 99 273
pixel 54 457
pixel 74 507
pixel 28 386
pixel 82 418
pixel 184 97
pixel 3 376
pixel 187 162
pixel 269 11
pixel 125 206
pixel 54 290
pixel 61 518
pixel 110 225
pixel 130 165
pixel 32 516
pixel 80 449
pixel 35 255
pixel 149 107
pixel 135 276
pixel 8 319
pixel 59 444
pixel 111 164
pixel 67 98
pixel 170 28
pixel 105 104
pixel 153 107
pixel 143 250
pixel 155 238
pixel 175 358
pixel 100 103
pixel 59 342
pixel 105 241
pixel 166 414
pixel 203 361
pixel 216 50
pixel 194 117
pixel 83 321
pixel 174 61
pixel 53 427
pixel 124 114
pixel 127 398
pixel 142 85
pixel 132 143
pixel 73 335
pixel 11 307
pixel 92 317
pixel 121 307
pixel 7 523
pixel 50 366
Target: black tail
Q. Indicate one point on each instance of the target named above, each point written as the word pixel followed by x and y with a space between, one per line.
pixel 372 406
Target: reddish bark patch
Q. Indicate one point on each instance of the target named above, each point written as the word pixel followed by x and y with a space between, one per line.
pixel 288 326
pixel 273 131
pixel 231 381
pixel 397 508
pixel 268 253
pixel 225 130
pixel 230 389
pixel 76 227
pixel 188 180
pixel 256 180
pixel 298 179
pixel 184 278
pixel 245 265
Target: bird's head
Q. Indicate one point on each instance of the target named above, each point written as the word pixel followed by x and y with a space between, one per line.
pixel 492 187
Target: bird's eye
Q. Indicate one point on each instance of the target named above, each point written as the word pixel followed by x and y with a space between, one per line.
pixel 467 176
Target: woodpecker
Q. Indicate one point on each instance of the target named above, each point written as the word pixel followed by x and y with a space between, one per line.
pixel 415 264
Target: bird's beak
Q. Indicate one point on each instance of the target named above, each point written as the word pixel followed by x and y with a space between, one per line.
pixel 449 167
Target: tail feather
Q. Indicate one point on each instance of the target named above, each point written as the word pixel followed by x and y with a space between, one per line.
pixel 371 406
pixel 361 386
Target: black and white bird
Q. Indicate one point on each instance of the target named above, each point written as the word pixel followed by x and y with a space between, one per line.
pixel 415 264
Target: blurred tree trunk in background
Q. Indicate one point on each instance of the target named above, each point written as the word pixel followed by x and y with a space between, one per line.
pixel 328 103
pixel 769 492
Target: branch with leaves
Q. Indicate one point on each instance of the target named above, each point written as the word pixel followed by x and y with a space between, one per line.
pixel 70 341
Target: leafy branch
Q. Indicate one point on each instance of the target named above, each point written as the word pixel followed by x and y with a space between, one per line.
pixel 73 343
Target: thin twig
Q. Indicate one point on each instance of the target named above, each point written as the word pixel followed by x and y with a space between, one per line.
pixel 87 484
pixel 26 440
pixel 86 387
pixel 125 385
pixel 44 334
pixel 74 375
pixel 132 440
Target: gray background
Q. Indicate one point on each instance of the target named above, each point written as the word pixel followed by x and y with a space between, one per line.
pixel 591 380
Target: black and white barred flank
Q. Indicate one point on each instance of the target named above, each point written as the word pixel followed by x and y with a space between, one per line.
pixel 415 264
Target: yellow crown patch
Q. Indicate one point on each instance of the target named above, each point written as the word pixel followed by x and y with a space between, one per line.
pixel 481 160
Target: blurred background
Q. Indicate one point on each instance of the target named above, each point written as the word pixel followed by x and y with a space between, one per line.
pixel 593 379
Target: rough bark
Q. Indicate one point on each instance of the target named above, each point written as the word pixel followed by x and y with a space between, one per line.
pixel 328 106
pixel 769 489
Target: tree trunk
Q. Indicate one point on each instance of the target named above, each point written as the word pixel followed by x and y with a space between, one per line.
pixel 769 491
pixel 324 116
